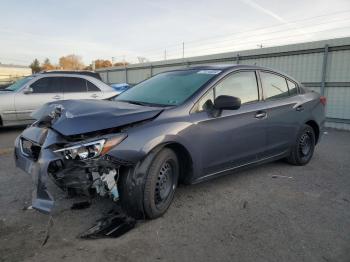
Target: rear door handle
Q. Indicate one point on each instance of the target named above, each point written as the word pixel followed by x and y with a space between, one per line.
pixel 57 97
pixel 260 115
pixel 299 108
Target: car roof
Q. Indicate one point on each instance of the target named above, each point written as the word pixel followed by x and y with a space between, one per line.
pixel 228 67
pixel 74 72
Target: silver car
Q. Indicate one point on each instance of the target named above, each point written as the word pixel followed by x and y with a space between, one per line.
pixel 20 99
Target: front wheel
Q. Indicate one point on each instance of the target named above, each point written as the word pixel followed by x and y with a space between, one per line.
pixel 161 182
pixel 303 149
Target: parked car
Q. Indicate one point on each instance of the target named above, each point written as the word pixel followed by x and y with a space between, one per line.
pixel 186 126
pixel 20 99
pixel 122 87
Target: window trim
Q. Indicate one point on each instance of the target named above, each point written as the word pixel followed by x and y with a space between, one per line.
pixel 213 87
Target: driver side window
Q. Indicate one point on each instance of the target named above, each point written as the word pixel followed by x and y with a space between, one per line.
pixel 242 85
pixel 47 85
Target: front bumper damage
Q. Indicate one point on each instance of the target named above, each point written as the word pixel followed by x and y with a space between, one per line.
pixel 34 154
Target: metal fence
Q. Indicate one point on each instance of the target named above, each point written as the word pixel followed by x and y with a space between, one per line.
pixel 323 66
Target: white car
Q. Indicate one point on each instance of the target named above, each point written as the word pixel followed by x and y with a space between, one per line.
pixel 20 99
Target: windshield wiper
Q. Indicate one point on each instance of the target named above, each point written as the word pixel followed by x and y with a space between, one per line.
pixel 142 103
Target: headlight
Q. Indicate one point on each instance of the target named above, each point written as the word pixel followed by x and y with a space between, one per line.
pixel 84 151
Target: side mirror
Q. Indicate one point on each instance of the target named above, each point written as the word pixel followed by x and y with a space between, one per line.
pixel 227 103
pixel 27 90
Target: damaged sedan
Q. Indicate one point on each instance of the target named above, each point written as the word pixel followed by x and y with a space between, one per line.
pixel 182 126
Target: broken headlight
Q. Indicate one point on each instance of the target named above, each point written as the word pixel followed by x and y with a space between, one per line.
pixel 84 151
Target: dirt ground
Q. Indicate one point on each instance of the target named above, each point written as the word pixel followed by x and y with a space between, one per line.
pixel 274 212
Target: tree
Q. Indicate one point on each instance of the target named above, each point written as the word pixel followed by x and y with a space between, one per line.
pixel 47 65
pixel 100 63
pixel 121 63
pixel 89 67
pixel 71 62
pixel 35 66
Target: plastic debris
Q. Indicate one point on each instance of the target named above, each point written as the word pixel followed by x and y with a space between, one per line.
pixel 113 225
pixel 81 205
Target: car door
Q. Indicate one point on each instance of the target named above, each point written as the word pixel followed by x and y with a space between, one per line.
pixel 235 137
pixel 80 88
pixel 282 120
pixel 45 89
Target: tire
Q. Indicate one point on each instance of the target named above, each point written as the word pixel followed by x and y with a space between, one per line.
pixel 303 149
pixel 161 182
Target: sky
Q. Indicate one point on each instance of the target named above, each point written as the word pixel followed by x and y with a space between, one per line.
pixel 125 30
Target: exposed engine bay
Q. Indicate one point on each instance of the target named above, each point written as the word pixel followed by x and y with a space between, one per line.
pixel 78 163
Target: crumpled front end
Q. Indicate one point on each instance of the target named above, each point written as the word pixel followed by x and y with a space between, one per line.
pixel 77 167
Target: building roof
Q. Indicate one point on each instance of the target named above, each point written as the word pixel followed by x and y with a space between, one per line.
pixel 13 66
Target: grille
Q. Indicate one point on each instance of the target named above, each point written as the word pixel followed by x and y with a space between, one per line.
pixel 30 149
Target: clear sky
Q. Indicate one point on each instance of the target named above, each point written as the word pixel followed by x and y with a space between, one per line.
pixel 104 29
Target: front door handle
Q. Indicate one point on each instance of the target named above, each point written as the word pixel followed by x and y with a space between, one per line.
pixel 299 108
pixel 57 97
pixel 260 115
pixel 94 96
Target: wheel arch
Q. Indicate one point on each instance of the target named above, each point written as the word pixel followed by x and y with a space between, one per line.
pixel 316 129
pixel 184 157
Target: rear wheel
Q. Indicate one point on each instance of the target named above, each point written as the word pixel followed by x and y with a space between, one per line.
pixel 303 149
pixel 160 184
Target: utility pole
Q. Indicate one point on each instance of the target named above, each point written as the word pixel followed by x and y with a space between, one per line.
pixel 183 50
pixel 124 61
pixel 164 54
pixel 113 60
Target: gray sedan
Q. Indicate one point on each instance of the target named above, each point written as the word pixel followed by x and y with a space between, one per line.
pixel 20 99
pixel 186 126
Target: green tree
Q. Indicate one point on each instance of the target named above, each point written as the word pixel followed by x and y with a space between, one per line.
pixel 35 66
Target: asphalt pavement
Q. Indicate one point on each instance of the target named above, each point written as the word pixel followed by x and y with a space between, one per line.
pixel 275 212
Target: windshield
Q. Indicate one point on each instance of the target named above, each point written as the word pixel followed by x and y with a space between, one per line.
pixel 18 84
pixel 171 88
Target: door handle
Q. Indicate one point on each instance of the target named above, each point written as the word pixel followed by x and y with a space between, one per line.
pixel 94 96
pixel 260 115
pixel 299 108
pixel 57 97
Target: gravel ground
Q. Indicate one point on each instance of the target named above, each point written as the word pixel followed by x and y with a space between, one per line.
pixel 303 214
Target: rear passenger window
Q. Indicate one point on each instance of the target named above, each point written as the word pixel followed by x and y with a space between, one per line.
pixel 91 87
pixel 293 90
pixel 74 84
pixel 274 86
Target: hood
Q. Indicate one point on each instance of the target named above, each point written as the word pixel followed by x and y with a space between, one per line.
pixel 73 117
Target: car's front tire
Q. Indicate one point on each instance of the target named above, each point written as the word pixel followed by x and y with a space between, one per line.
pixel 303 149
pixel 148 188
pixel 161 182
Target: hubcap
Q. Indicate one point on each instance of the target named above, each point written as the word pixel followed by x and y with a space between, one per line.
pixel 305 144
pixel 164 182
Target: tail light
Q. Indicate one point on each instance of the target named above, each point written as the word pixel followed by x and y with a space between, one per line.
pixel 323 100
